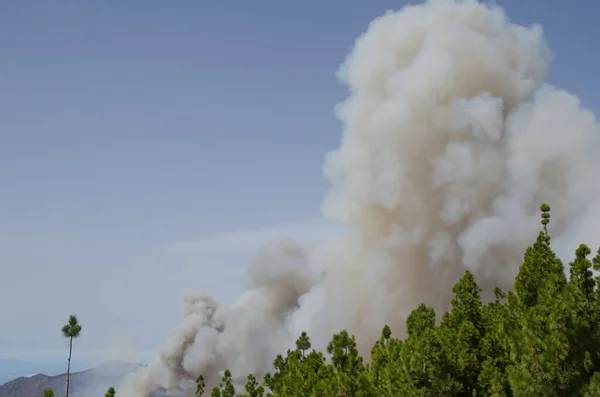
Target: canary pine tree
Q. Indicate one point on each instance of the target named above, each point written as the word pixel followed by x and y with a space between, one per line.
pixel 71 330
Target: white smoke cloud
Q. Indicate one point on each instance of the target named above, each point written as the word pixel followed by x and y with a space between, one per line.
pixel 451 142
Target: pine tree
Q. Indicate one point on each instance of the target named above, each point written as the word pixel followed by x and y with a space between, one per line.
pixel 463 330
pixel 381 358
pixel 253 388
pixel 48 393
pixel 499 324
pixel 200 385
pixel 347 364
pixel 547 360
pixel 539 266
pixel 303 343
pixel 586 307
pixel 582 277
pixel 225 388
pixel 72 330
pixel 420 320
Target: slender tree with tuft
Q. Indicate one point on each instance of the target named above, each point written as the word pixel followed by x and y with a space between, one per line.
pixel 71 330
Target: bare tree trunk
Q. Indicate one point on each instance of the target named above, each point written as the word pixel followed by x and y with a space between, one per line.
pixel 69 364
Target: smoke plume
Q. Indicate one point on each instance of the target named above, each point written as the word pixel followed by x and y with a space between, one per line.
pixel 451 141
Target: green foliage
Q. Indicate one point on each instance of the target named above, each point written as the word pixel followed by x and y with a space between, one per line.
pixel 253 388
pixel 225 388
pixel 110 392
pixel 72 329
pixel 48 393
pixel 541 339
pixel 200 385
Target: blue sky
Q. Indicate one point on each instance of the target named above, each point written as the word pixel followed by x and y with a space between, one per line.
pixel 128 131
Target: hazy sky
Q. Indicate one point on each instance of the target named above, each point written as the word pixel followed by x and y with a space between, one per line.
pixel 147 148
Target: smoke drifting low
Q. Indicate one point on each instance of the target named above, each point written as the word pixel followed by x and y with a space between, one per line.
pixel 451 141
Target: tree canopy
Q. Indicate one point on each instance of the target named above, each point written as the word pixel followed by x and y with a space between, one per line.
pixel 540 339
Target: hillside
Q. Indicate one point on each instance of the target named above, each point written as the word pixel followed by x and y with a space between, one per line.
pixel 93 381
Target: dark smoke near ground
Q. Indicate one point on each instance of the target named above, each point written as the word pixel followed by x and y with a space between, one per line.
pixel 451 140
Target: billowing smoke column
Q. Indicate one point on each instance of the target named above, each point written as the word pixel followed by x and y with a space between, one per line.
pixel 451 141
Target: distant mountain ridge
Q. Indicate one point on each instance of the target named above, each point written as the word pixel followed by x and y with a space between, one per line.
pixel 91 382
pixel 11 369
